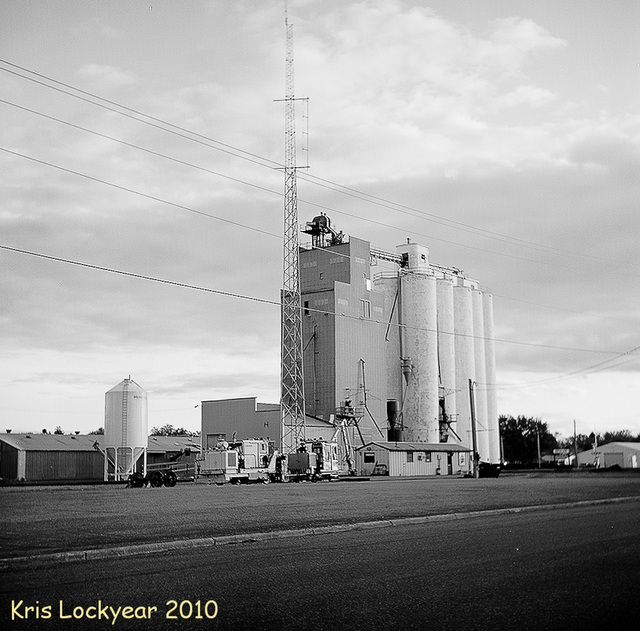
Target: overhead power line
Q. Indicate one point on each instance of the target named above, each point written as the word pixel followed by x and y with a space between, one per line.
pixel 147 119
pixel 324 182
pixel 312 310
pixel 267 162
pixel 582 313
pixel 139 193
pixel 599 367
pixel 215 217
pixel 320 207
pixel 140 148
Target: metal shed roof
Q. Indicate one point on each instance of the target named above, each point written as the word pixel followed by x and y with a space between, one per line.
pixel 162 444
pixel 50 442
pixel 405 446
pixel 85 442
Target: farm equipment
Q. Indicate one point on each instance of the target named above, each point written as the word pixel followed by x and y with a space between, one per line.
pixel 314 460
pixel 256 460
pixel 156 479
pixel 240 462
pixel 164 473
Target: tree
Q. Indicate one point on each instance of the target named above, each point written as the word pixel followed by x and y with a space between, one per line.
pixel 170 430
pixel 582 443
pixel 585 443
pixel 620 436
pixel 100 430
pixel 520 439
pixel 58 430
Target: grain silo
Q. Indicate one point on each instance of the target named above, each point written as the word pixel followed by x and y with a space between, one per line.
pixel 490 358
pixel 126 430
pixel 388 285
pixel 446 358
pixel 418 314
pixel 428 331
pixel 482 423
pixel 464 358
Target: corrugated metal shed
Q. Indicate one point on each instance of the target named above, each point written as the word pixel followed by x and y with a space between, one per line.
pixel 50 457
pixel 412 459
pixel 73 458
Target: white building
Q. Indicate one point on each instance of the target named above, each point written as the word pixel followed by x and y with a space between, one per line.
pixel 624 455
pixel 398 459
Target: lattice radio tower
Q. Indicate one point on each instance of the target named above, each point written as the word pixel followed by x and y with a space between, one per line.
pixel 292 410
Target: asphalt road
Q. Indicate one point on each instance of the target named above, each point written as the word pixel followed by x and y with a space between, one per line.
pixel 576 568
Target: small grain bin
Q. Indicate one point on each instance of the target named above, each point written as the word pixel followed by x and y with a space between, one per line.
pixel 126 430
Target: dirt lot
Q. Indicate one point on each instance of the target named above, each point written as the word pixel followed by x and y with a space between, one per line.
pixel 36 520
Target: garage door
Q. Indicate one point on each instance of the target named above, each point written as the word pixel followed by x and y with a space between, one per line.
pixel 614 458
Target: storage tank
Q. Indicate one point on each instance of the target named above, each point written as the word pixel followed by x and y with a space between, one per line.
pixel 126 429
pixel 464 361
pixel 418 314
pixel 446 353
pixel 482 422
pixel 490 361
pixel 387 284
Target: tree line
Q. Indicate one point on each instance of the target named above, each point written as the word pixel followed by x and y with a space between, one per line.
pixel 520 435
pixel 165 430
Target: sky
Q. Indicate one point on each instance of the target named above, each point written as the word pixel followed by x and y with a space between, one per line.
pixel 145 138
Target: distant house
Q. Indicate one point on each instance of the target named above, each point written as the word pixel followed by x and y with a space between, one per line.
pixel 624 455
pixel 60 458
pixel 412 459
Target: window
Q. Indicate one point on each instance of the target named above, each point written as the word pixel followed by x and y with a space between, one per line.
pixel 409 456
pixel 306 308
pixel 214 439
pixel 365 308
pixel 369 457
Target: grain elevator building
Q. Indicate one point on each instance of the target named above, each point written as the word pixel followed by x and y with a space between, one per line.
pixel 400 347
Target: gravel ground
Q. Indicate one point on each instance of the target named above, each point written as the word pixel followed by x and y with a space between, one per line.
pixel 38 520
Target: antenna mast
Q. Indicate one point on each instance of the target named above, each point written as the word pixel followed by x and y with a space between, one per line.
pixel 292 410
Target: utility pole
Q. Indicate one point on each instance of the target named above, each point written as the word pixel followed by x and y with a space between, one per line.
pixel 474 439
pixel 292 410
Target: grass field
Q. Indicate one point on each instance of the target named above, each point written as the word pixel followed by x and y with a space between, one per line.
pixel 37 520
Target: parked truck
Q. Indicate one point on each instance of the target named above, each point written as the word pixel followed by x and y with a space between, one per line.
pixel 257 460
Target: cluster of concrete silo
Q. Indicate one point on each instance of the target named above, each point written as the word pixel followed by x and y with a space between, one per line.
pixel 439 338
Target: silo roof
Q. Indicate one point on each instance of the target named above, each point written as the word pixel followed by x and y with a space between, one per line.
pixel 131 385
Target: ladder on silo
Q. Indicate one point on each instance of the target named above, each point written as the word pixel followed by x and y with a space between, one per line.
pixel 125 403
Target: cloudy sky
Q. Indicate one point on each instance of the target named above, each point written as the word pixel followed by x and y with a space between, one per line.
pixel 502 134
